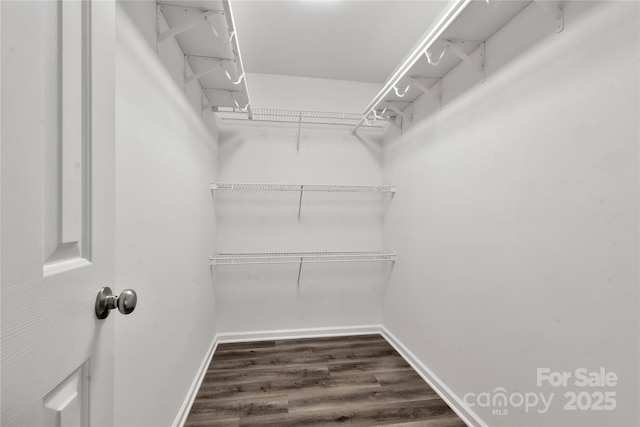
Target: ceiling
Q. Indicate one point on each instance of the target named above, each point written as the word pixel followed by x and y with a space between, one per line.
pixel 331 39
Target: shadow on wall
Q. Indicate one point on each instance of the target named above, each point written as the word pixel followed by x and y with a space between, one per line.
pixel 372 141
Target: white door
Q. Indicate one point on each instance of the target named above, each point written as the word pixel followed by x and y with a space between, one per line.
pixel 57 212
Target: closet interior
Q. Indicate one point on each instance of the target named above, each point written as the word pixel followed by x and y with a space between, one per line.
pixel 467 207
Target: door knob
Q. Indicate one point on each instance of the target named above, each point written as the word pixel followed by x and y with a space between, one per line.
pixel 106 301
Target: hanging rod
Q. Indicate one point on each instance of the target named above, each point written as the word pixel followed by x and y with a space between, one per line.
pixel 433 36
pixel 245 258
pixel 235 44
pixel 437 40
pixel 304 187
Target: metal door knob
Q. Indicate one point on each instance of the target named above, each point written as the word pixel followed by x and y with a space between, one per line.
pixel 106 301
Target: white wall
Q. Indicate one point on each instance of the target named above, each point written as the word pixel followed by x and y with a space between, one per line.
pixel 143 14
pixel 165 160
pixel 516 218
pixel 266 298
pixel 303 93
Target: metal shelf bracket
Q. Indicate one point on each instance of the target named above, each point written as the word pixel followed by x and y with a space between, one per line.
pixel 185 26
pixel 221 93
pixel 554 9
pixel 478 64
pixel 300 270
pixel 206 103
pixel 435 91
pixel 180 19
pixel 399 112
pixel 224 92
pixel 393 122
pixel 300 204
pixel 298 144
pixel 217 64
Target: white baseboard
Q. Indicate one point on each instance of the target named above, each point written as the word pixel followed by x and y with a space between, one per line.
pixel 226 337
pixel 450 398
pixel 183 413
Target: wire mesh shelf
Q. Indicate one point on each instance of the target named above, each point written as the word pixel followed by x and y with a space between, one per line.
pixel 244 258
pixel 275 115
pixel 304 187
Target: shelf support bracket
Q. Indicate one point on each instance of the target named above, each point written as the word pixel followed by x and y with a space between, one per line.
pixel 393 122
pixel 400 112
pixel 300 202
pixel 298 142
pixel 206 103
pixel 555 10
pixel 207 106
pixel 300 271
pixel 185 26
pixel 197 74
pixel 231 95
pixel 435 91
pixel 477 64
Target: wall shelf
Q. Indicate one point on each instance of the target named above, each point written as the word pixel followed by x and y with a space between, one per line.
pixel 209 41
pixel 220 186
pixel 458 36
pixel 244 258
pixel 274 115
pixel 302 188
pixel 300 258
pixel 295 117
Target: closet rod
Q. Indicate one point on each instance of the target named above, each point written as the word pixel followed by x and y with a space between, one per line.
pixel 236 53
pixel 433 36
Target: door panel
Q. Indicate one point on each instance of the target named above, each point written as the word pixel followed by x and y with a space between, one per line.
pixel 57 214
pixel 68 403
pixel 67 162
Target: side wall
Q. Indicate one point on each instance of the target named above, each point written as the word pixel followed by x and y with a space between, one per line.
pixel 266 297
pixel 516 219
pixel 165 160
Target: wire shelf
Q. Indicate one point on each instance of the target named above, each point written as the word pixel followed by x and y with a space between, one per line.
pixel 274 115
pixel 304 187
pixel 244 258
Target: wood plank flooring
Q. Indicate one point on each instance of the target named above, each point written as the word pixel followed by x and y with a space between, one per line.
pixel 355 381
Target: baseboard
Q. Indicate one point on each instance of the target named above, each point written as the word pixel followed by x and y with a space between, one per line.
pixel 183 413
pixel 459 407
pixel 226 337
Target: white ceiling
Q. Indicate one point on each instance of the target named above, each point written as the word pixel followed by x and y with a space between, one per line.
pixel 331 39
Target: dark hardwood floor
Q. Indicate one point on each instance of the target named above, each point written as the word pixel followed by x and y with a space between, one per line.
pixel 355 381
